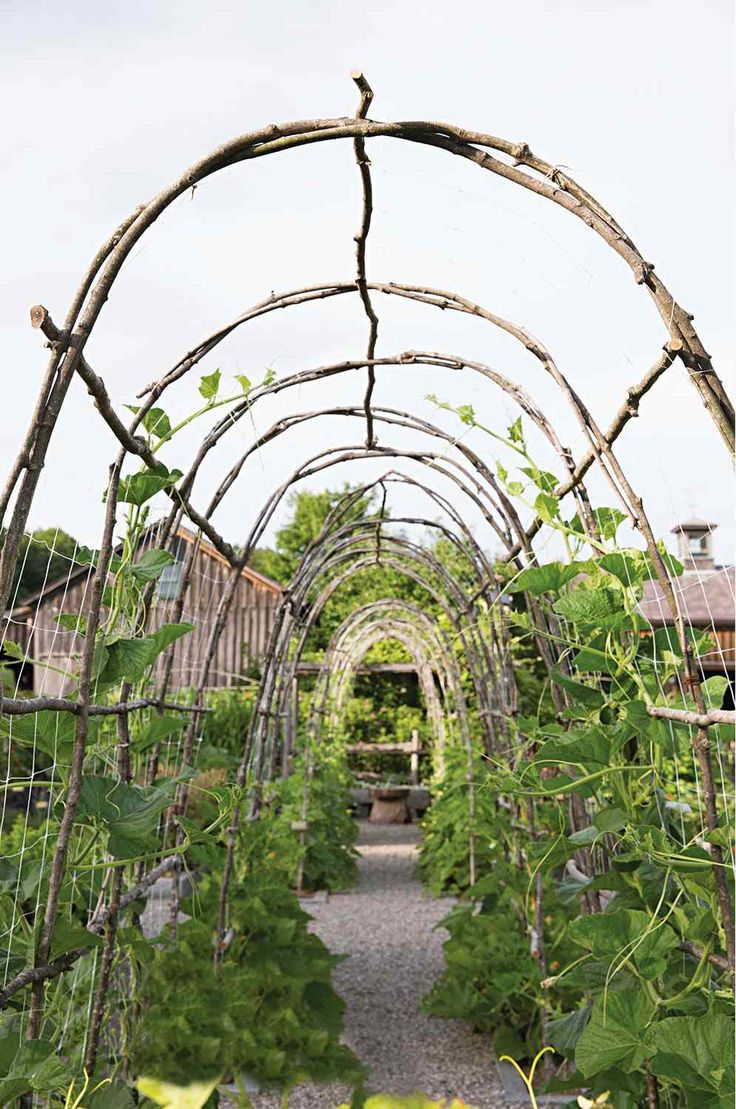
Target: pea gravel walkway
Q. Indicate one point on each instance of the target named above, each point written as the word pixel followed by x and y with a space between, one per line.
pixel 386 927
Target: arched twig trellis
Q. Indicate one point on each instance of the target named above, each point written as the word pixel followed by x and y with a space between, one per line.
pixel 344 548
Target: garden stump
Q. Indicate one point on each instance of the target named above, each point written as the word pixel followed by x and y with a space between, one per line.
pixel 390 806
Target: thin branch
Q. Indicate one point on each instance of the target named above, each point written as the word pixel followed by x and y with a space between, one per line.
pixel 22 706
pixel 133 444
pixel 76 772
pixel 698 719
pixel 361 238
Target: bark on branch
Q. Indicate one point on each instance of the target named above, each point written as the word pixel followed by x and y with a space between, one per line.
pixel 697 719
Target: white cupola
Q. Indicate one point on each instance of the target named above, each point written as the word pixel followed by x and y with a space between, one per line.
pixel 695 539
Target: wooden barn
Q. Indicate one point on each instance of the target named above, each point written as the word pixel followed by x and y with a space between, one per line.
pixel 706 593
pixel 52 652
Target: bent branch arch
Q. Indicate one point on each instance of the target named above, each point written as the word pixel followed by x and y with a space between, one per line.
pixel 344 548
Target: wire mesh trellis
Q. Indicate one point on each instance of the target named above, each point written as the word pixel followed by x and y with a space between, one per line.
pixel 123 661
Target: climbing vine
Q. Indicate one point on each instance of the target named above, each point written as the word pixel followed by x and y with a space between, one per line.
pixel 589 806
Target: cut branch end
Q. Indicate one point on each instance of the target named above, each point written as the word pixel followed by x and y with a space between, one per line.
pixel 366 93
pixel 39 315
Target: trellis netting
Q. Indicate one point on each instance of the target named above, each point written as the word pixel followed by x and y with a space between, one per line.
pixel 625 788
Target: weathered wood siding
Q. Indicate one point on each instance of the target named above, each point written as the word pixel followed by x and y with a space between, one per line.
pixel 724 653
pixel 243 642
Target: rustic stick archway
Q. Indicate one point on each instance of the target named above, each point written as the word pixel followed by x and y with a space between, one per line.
pixel 343 548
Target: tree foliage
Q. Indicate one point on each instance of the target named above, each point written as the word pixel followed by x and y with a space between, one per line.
pixel 308 514
pixel 46 555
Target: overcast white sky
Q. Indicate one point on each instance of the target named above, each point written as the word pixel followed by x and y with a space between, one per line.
pixel 106 103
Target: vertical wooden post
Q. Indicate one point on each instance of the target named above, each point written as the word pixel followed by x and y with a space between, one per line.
pixel 414 764
pixel 289 731
pixel 294 722
pixel 471 814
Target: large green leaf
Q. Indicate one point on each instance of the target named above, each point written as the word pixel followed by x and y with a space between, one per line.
pixel 565 1031
pixel 130 658
pixel 589 606
pixel 139 488
pixel 47 731
pixel 585 694
pixel 663 646
pixel 546 579
pixel 713 690
pixel 68 935
pixel 36 1067
pixel 697 1053
pixel 11 1088
pixel 547 507
pixel 165 636
pixel 170 1096
pixel 587 746
pixel 73 622
pixel 126 659
pixel 543 479
pixel 209 385
pixel 14 650
pixel 627 932
pixel 109 1095
pixel 615 1034
pixel 607 519
pixel 610 819
pixel 151 565
pixel 155 421
pixel 10 1038
pixel 158 729
pixel 631 567
pixel 129 813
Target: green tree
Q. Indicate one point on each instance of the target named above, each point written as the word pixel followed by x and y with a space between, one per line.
pixel 45 556
pixel 308 514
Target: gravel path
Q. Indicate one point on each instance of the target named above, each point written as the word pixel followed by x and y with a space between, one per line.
pixel 386 927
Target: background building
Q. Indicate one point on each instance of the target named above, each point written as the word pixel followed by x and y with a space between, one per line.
pixel 706 594
pixel 52 652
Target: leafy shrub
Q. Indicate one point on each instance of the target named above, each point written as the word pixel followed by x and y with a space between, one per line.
pixel 268 846
pixel 491 977
pixel 444 854
pixel 225 726
pixel 633 843
pixel 329 855
pixel 270 1013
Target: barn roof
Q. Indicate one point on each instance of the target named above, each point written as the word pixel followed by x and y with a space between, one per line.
pixel 62 584
pixel 706 598
pixel 247 572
